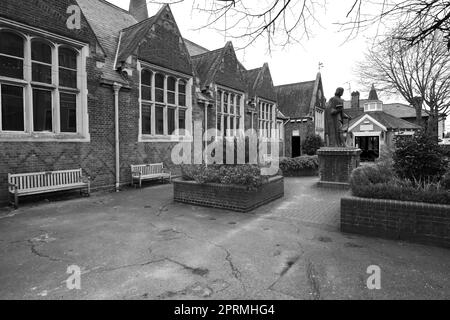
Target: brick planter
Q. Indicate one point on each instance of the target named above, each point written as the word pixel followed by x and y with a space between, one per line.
pixel 400 220
pixel 230 197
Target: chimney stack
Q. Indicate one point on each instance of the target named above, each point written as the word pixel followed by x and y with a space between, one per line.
pixel 355 100
pixel 138 9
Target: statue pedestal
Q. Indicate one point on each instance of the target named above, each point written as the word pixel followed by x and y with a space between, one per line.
pixel 336 164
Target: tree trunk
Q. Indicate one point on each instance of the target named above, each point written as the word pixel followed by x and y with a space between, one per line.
pixel 417 103
pixel 432 124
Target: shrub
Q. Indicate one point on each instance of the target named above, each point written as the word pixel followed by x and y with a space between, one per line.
pixel 244 175
pixel 312 144
pixel 445 181
pixel 378 181
pixel 305 165
pixel 419 158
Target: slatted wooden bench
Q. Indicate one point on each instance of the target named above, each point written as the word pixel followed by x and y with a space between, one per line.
pixel 23 184
pixel 150 171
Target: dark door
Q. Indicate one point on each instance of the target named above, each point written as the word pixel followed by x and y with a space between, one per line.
pixel 370 147
pixel 296 147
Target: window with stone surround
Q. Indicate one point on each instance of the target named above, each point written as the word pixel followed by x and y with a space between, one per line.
pixel 266 119
pixel 42 88
pixel 229 112
pixel 164 103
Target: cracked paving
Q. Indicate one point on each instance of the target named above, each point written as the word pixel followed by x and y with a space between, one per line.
pixel 139 244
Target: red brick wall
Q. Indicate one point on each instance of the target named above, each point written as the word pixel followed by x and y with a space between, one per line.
pixel 399 220
pixel 305 128
pixel 236 198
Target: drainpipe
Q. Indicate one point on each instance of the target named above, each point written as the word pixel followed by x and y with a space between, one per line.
pixel 117 87
pixel 207 137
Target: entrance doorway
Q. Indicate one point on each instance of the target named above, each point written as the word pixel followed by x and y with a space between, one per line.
pixel 370 147
pixel 296 147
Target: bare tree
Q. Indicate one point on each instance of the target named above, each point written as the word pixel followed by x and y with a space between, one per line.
pixel 420 73
pixel 280 22
pixel 419 18
pixel 285 21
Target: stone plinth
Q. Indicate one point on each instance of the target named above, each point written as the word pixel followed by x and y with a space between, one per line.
pixel 336 164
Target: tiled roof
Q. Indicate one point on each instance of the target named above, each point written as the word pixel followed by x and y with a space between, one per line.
pixel 132 36
pixel 353 113
pixel 194 48
pixel 401 110
pixel 220 66
pixel 389 121
pixel 206 65
pixel 259 83
pixel 251 77
pixel 294 100
pixel 107 20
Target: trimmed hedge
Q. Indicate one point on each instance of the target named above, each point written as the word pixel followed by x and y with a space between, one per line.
pixel 243 175
pixel 378 181
pixel 301 166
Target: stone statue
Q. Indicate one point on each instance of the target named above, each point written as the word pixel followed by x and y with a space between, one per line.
pixel 334 120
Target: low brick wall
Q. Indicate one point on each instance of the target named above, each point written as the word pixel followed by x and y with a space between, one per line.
pixel 400 220
pixel 231 197
pixel 302 173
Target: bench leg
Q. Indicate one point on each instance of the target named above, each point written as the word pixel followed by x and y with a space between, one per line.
pixel 140 183
pixel 89 188
pixel 16 200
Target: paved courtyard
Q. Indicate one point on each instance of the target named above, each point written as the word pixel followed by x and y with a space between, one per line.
pixel 139 244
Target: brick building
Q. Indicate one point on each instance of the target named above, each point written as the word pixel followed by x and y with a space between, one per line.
pixel 373 127
pixel 121 89
pixel 355 107
pixel 304 105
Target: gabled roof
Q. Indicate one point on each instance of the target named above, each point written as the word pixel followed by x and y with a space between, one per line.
pixel 107 20
pixel 210 67
pixel 387 120
pixel 131 37
pixel 207 64
pixel 294 100
pixel 194 48
pixel 259 83
pixel 251 76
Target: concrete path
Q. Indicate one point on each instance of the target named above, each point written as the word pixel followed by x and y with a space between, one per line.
pixel 138 244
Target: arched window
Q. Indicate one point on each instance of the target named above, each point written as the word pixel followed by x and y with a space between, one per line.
pixel 171 84
pixel 41 59
pixel 182 93
pixel 146 85
pixel 159 87
pixel 67 67
pixel 11 55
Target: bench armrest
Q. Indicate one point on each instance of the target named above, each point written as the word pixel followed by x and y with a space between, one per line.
pixel 86 179
pixel 164 170
pixel 136 173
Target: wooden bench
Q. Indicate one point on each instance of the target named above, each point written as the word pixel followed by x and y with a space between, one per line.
pixel 151 171
pixel 24 184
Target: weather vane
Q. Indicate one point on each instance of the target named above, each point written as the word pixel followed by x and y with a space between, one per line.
pixel 320 66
